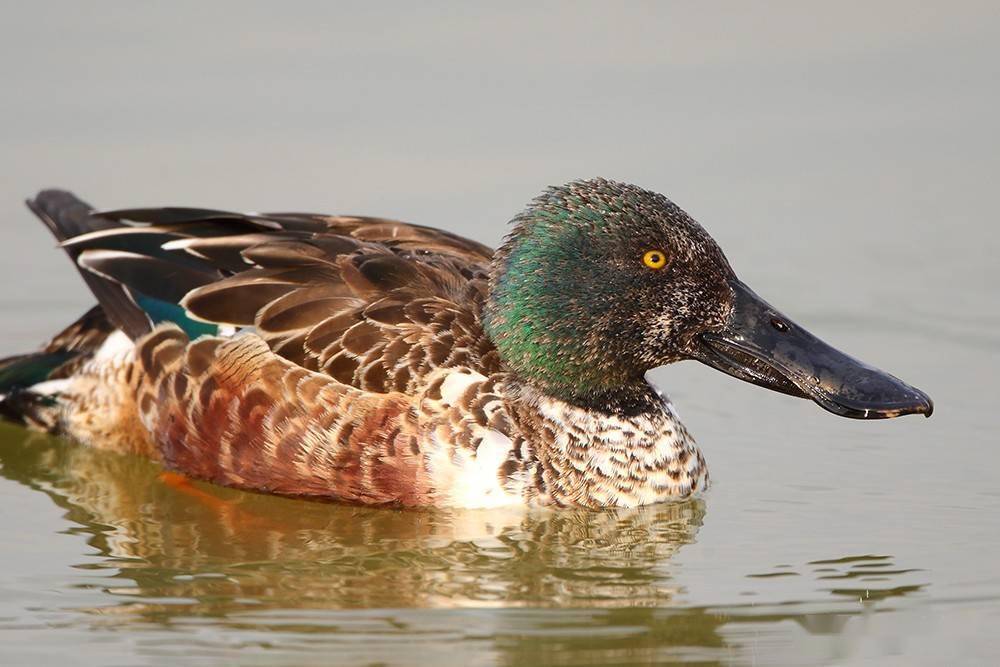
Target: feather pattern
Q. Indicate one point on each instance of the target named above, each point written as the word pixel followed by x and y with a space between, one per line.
pixel 364 373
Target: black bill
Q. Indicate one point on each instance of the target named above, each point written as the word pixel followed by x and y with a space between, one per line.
pixel 762 346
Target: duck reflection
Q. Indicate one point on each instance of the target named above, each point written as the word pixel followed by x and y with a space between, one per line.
pixel 209 549
pixel 174 554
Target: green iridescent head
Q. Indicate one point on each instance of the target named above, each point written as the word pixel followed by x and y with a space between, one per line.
pixel 599 282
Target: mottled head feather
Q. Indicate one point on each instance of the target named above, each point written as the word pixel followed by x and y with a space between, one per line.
pixel 573 309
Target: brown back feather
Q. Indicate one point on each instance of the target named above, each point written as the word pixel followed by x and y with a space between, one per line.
pixel 374 303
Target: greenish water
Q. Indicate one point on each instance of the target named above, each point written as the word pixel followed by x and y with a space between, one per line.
pixel 843 155
pixel 162 572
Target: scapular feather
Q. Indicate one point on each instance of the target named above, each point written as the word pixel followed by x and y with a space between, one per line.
pixel 153 276
pixel 183 215
pixel 304 307
pixel 321 290
pixel 237 303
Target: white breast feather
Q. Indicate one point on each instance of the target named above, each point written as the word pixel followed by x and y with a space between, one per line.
pixel 471 478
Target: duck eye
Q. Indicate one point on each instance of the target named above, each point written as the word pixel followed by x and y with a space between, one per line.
pixel 654 259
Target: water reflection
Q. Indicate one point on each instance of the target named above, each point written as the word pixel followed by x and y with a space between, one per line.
pixel 209 549
pixel 236 569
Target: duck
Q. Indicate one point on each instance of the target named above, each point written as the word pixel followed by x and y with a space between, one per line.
pixel 370 361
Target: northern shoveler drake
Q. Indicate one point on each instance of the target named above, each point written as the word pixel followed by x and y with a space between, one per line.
pixel 373 361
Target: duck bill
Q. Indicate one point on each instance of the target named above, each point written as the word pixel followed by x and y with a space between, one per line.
pixel 761 346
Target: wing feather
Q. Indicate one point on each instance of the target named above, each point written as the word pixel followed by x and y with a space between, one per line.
pixel 374 303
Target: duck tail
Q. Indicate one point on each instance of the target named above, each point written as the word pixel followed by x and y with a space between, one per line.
pixel 29 382
pixel 68 217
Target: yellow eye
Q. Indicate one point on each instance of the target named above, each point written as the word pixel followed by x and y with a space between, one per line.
pixel 654 259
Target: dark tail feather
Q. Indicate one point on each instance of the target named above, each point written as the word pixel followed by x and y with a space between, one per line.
pixel 59 358
pixel 25 370
pixel 26 408
pixel 68 217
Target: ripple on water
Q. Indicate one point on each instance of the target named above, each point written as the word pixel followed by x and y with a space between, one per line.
pixel 298 579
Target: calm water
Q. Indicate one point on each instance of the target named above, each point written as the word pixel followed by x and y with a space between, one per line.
pixel 844 157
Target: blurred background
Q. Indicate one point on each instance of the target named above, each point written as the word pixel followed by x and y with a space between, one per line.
pixel 845 156
pixel 868 129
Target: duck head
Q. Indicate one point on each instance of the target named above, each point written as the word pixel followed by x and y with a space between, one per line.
pixel 599 282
